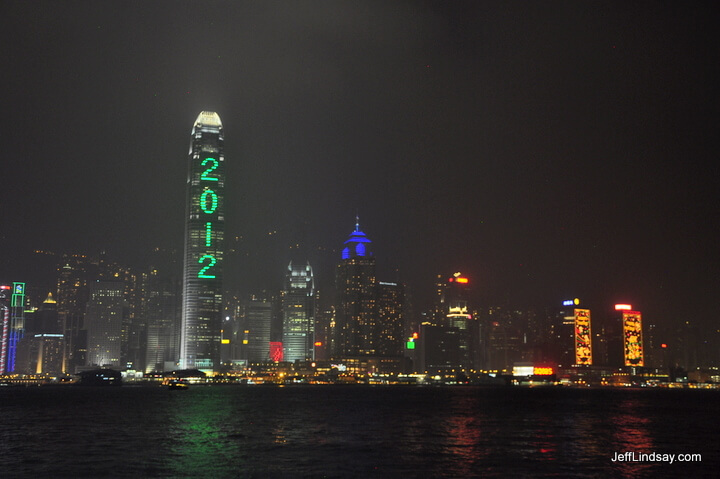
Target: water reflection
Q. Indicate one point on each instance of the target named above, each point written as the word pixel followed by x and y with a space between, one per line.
pixel 630 434
pixel 198 434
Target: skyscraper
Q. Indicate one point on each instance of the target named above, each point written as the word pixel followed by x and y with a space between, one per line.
pixel 356 289
pixel 298 305
pixel 160 310
pixel 258 316
pixel 104 323
pixel 204 235
pixel 390 319
pixel 75 273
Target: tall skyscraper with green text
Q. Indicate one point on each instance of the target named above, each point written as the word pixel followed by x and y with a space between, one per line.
pixel 204 238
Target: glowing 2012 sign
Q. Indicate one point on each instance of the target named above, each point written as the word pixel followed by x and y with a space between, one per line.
pixel 209 202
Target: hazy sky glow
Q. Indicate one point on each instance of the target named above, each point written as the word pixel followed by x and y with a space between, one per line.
pixel 546 149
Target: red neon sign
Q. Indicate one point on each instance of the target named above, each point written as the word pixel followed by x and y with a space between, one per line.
pixel 276 351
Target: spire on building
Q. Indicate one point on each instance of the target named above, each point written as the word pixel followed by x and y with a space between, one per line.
pixel 357 244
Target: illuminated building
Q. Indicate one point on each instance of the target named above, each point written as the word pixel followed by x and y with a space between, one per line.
pixel 449 339
pixel 298 310
pixel 356 288
pixel 390 319
pixel 276 351
pixel 13 324
pixel 458 314
pixel 134 325
pixel 161 308
pixel 75 273
pixel 40 354
pixel 258 317
pixel 104 323
pixel 204 235
pixel 632 338
pixel 583 338
pixel 41 350
pixel 562 333
pixel 5 328
pixel 45 319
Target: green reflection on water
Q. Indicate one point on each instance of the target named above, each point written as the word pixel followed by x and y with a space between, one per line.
pixel 199 433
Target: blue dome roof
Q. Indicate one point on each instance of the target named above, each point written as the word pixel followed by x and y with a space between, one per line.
pixel 357 244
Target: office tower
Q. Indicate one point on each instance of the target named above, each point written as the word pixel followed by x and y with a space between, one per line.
pixel 45 319
pixel 449 336
pixel 356 290
pixel 390 319
pixel 134 323
pixel 258 317
pixel 204 235
pixel 161 307
pixel 41 350
pixel 504 338
pixel 561 324
pixel 75 273
pixel 298 311
pixel 104 323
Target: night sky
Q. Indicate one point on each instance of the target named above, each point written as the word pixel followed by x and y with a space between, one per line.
pixel 546 149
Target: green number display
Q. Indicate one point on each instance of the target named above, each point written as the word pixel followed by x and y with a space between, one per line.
pixel 205 173
pixel 208 196
pixel 208 233
pixel 203 270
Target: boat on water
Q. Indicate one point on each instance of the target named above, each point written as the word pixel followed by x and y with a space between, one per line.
pixel 176 384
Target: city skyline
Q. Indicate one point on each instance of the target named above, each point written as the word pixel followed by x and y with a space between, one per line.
pixel 547 153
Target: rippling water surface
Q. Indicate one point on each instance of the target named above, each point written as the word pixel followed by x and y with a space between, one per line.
pixel 353 431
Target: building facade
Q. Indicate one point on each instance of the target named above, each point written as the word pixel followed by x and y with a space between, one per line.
pixel 258 318
pixel 355 320
pixel 204 238
pixel 104 316
pixel 298 309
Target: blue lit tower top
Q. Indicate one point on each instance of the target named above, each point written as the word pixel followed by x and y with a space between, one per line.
pixel 357 244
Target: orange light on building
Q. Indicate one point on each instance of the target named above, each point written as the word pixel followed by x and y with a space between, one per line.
pixel 632 333
pixel 583 337
pixel 462 280
pixel 318 344
pixel 663 345
pixel 623 307
pixel 415 335
pixel 542 371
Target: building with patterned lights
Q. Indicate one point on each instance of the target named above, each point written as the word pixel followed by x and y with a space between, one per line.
pixel 204 239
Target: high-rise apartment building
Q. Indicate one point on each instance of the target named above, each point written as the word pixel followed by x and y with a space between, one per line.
pixel 204 236
pixel 298 310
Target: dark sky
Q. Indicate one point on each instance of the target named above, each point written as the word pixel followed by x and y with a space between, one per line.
pixel 546 149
